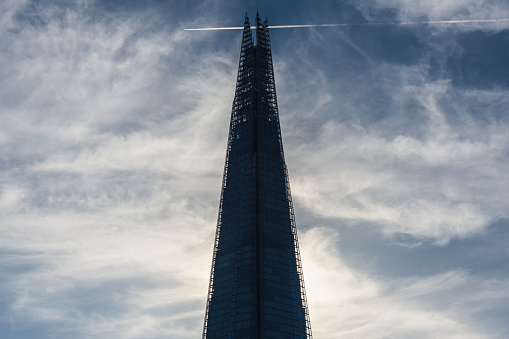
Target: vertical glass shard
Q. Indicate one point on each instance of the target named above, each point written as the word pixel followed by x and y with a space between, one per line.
pixel 256 286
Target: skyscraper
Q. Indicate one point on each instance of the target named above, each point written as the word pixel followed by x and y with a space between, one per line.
pixel 256 285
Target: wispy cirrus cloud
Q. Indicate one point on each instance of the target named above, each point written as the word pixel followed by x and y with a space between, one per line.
pixel 369 306
pixel 444 10
pixel 410 150
pixel 106 229
pixel 397 154
pixel 113 135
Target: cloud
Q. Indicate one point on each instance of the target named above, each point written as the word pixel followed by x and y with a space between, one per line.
pixel 372 307
pixel 406 150
pixel 111 169
pixel 446 10
pixel 428 188
pixel 112 143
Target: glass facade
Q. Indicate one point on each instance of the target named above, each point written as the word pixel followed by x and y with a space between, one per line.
pixel 256 286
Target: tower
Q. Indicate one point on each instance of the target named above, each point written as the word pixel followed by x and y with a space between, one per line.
pixel 256 285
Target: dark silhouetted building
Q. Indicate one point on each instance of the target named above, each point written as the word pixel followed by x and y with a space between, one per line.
pixel 256 284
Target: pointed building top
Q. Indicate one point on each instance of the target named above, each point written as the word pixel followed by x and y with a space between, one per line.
pixel 256 287
pixel 258 20
pixel 247 38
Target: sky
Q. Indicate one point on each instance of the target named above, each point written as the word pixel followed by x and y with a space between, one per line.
pixel 113 131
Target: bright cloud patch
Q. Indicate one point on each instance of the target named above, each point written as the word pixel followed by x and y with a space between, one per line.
pixel 347 302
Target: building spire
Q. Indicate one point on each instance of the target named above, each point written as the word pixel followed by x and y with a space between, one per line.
pixel 247 37
pixel 258 21
pixel 256 287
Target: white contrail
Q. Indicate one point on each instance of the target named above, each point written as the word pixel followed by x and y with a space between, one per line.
pixel 358 24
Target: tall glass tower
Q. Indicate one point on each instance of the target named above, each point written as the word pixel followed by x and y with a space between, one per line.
pixel 256 285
